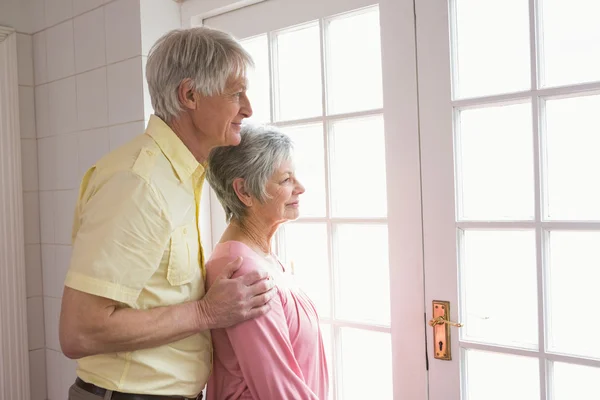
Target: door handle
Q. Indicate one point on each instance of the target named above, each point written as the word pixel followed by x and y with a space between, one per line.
pixel 440 321
pixel 441 330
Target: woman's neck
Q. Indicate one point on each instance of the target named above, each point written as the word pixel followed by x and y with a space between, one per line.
pixel 253 233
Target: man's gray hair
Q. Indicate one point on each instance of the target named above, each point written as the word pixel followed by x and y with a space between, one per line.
pixel 261 151
pixel 208 57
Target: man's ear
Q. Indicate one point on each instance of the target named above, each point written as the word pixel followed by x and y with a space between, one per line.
pixel 185 94
pixel 239 186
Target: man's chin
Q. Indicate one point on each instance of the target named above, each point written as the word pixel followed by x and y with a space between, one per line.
pixel 234 139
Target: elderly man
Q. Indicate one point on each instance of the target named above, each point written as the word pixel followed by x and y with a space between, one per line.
pixel 134 311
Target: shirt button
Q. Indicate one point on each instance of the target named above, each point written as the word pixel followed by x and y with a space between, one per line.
pixel 185 231
pixel 149 152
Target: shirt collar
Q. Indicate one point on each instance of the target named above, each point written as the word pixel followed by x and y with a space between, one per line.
pixel 181 158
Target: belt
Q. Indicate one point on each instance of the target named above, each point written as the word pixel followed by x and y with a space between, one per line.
pixel 98 391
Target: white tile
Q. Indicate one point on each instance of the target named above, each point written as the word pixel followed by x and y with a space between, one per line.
pixel 92 146
pixel 67 173
pixel 35 323
pixel 62 96
pixel 121 134
pixel 29 166
pixel 148 109
pixel 31 214
pixel 64 211
pixel 25 59
pixel 60 51
pixel 92 102
pixel 54 365
pixel 55 264
pixel 42 111
pixel 123 30
pixel 81 6
pixel 58 11
pixel 33 269
pixel 47 217
pixel 61 374
pixel 37 374
pixel 51 319
pixel 27 112
pixel 125 92
pixel 90 47
pixel 36 13
pixel 62 262
pixel 51 286
pixel 158 18
pixel 40 65
pixel 47 163
pixel 68 375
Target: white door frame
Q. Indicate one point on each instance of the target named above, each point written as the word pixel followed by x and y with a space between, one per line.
pixel 399 69
pixel 14 347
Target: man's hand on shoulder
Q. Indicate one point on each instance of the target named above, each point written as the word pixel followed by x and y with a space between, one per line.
pixel 230 301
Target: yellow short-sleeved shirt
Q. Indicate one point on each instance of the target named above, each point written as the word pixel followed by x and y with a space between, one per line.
pixel 136 240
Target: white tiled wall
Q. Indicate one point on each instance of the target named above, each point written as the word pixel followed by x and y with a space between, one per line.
pixel 31 208
pixel 82 94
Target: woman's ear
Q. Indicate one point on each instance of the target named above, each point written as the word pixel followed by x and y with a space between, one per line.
pixel 239 186
pixel 185 94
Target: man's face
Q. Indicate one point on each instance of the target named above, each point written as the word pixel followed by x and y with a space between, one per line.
pixel 218 118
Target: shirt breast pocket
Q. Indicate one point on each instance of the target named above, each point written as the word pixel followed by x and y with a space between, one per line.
pixel 183 261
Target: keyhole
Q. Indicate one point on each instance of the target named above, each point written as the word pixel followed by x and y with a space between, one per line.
pixel 441 344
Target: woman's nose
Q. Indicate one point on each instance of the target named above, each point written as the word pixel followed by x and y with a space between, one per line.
pixel 300 188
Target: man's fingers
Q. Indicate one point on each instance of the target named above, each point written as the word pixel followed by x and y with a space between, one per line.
pixel 231 268
pixel 259 311
pixel 252 277
pixel 261 287
pixel 262 299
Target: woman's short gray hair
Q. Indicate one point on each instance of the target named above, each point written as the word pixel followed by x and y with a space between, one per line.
pixel 208 57
pixel 261 151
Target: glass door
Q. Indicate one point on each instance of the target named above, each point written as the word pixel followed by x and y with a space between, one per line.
pixel 319 76
pixel 508 100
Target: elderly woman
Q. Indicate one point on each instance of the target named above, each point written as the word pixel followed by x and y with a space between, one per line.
pixel 135 312
pixel 279 355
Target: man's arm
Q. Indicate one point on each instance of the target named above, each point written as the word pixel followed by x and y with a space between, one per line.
pixel 92 325
pixel 121 233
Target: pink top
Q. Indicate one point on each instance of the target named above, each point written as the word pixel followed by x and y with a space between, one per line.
pixel 278 356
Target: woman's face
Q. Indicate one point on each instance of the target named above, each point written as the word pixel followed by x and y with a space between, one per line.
pixel 284 190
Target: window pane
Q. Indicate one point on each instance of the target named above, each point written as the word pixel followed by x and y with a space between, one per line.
pixel 491 58
pixel 570 37
pixel 572 381
pixel 298 78
pixel 493 376
pixel 306 247
pixel 573 165
pixel 495 163
pixel 258 78
pixel 573 277
pixel 358 185
pixel 489 263
pixel 361 255
pixel 354 83
pixel 309 160
pixel 366 365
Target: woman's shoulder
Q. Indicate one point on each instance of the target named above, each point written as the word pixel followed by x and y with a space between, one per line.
pixel 226 252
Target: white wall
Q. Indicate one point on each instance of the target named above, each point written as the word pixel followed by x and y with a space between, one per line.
pixel 82 93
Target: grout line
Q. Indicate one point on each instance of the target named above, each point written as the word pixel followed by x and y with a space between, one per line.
pixel 65 20
pixel 89 70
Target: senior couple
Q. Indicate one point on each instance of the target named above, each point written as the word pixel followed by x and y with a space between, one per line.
pixel 143 312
